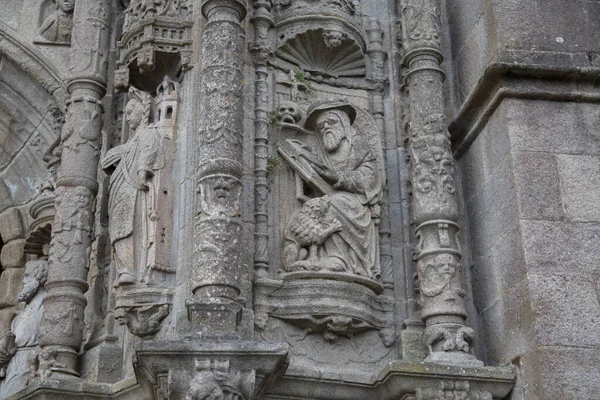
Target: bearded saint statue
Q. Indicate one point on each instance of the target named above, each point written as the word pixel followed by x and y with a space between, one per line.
pixel 25 329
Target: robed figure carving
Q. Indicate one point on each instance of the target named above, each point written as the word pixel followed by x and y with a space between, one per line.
pixel 57 27
pixel 132 193
pixel 336 229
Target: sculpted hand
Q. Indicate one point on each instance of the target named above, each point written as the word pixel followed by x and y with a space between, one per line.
pixel 330 175
pixel 142 176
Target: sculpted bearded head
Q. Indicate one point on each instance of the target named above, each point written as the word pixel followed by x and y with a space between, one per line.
pixel 332 120
pixel 36 274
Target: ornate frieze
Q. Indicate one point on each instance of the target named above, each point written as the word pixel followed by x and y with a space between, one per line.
pixel 452 390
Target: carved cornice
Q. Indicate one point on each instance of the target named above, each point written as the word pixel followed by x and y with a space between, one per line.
pixel 523 74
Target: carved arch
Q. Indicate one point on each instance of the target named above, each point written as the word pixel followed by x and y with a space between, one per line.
pixel 30 60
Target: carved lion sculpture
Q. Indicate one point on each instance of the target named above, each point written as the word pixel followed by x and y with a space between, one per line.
pixel 308 228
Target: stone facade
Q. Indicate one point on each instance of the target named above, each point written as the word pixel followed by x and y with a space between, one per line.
pixel 299 199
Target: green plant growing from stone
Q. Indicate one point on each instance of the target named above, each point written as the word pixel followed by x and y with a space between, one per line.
pixel 300 77
pixel 273 163
pixel 274 116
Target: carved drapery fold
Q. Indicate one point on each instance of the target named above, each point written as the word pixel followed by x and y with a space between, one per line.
pixel 434 195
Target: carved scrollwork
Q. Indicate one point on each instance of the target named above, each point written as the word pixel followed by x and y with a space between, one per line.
pixel 422 22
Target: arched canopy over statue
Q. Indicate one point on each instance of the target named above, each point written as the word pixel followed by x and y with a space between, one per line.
pixel 336 232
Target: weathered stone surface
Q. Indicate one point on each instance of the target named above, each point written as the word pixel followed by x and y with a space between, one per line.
pixel 580 186
pixel 539 193
pixel 10 285
pixel 236 274
pixel 13 255
pixel 11 225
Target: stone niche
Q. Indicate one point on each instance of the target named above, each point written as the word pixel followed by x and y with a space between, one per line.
pixel 324 295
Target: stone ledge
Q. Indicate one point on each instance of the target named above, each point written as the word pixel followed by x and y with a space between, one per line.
pixel 396 380
pixel 523 74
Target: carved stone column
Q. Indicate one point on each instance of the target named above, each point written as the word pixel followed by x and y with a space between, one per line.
pixel 62 322
pixel 218 270
pixel 261 52
pixel 434 198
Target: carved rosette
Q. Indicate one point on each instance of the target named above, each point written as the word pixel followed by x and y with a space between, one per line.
pixel 62 322
pixel 218 271
pixel 434 195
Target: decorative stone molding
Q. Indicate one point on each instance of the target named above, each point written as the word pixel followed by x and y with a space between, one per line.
pixel 452 390
pixel 261 51
pixel 328 307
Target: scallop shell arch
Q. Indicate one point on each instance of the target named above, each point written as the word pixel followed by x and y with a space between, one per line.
pixel 309 52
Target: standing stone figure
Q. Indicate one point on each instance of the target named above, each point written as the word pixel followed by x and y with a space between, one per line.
pixel 57 27
pixel 337 232
pixel 25 328
pixel 132 191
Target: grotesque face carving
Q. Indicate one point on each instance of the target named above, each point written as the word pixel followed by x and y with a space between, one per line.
pixel 134 113
pixel 66 6
pixel 331 129
pixel 289 112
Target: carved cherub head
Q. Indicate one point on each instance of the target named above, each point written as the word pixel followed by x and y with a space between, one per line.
pixel 36 274
pixel 333 38
pixel 82 196
pixel 289 112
